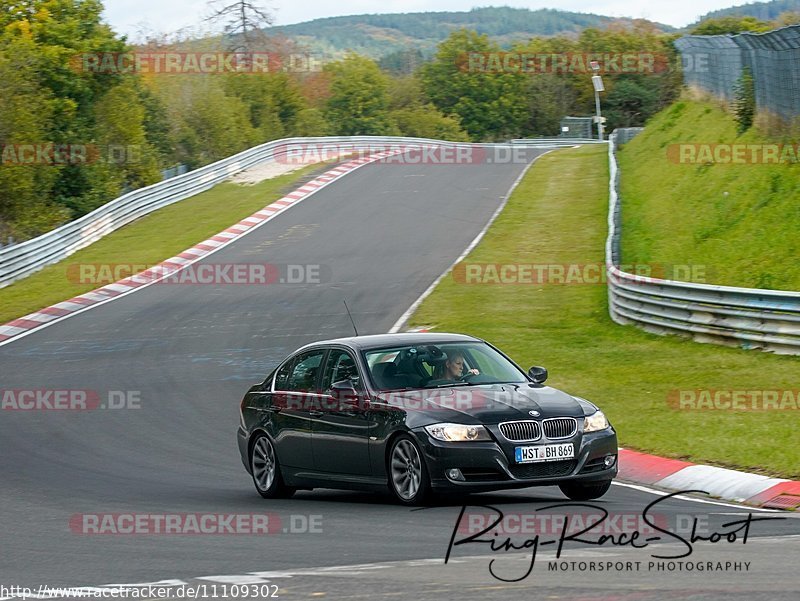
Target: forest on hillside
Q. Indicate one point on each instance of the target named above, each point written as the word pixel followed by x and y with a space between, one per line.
pixel 381 34
pixel 81 122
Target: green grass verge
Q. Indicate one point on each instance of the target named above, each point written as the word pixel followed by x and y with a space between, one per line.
pixel 557 215
pixel 739 223
pixel 151 239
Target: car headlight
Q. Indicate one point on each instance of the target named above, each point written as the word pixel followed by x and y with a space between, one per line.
pixel 596 421
pixel 457 432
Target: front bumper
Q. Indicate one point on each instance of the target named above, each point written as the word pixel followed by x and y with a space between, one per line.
pixel 490 465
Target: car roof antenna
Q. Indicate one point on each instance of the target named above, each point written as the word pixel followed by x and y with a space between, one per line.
pixel 350 316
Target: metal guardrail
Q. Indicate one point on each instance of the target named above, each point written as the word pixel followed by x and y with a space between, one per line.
pixel 750 318
pixel 556 141
pixel 20 260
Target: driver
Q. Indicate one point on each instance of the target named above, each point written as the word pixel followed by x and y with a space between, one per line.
pixel 454 367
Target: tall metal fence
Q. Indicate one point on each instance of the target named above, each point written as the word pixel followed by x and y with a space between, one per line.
pixel 715 63
pixel 752 318
pixel 576 127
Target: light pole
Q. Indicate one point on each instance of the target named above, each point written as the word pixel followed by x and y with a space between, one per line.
pixel 597 84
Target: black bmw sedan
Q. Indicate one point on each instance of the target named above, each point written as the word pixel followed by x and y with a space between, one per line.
pixel 419 414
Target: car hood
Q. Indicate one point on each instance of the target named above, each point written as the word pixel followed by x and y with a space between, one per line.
pixel 483 404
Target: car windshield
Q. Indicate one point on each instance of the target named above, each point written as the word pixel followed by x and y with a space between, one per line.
pixel 439 365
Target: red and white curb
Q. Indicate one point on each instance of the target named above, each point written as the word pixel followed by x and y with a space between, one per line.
pixel 34 321
pixel 731 485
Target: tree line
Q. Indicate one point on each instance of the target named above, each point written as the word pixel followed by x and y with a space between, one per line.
pixel 136 124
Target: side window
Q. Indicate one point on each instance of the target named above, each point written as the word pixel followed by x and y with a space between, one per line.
pixel 302 372
pixel 340 366
pixel 476 358
pixel 282 377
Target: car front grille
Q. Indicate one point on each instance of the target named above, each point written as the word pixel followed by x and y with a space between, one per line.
pixel 522 431
pixel 546 469
pixel 560 427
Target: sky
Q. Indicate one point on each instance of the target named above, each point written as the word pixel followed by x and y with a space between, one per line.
pixel 166 16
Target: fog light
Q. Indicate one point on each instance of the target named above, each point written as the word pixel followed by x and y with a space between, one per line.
pixel 609 460
pixel 455 474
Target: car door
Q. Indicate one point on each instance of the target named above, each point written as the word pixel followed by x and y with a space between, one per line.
pixel 341 431
pixel 295 389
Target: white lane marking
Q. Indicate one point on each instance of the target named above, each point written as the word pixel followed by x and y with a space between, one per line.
pixel 789 514
pixel 242 579
pixel 159 583
pixel 415 305
pixel 661 493
pixel 18 335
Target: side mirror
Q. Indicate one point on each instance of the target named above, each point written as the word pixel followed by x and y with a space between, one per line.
pixel 345 392
pixel 537 374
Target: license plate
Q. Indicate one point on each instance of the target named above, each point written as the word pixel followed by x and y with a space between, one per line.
pixel 547 452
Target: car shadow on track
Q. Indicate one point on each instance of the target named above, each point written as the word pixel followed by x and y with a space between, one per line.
pixel 550 495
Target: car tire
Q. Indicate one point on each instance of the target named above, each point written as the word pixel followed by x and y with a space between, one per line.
pixel 266 470
pixel 585 491
pixel 409 481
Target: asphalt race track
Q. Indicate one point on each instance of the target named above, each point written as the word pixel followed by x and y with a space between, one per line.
pixel 186 353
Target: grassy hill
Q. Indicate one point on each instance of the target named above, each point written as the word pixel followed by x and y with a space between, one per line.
pixel 764 11
pixel 740 221
pixel 377 35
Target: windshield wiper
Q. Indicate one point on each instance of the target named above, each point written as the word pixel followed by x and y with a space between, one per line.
pixel 451 384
